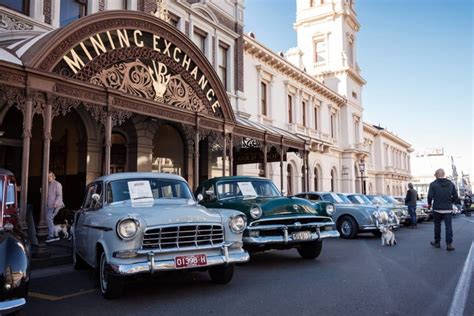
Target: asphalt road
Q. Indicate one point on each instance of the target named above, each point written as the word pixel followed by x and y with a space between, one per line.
pixel 351 277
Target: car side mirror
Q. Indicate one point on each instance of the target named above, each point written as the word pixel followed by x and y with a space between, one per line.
pixel 283 192
pixel 200 197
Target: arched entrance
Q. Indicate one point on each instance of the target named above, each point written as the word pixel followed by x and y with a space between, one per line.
pixel 168 151
pixel 333 180
pixel 289 179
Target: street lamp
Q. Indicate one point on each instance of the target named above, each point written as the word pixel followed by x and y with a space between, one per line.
pixel 362 170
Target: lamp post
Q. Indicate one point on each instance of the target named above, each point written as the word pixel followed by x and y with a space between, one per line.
pixel 362 170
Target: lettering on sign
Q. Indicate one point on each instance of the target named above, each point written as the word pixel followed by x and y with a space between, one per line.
pixel 104 42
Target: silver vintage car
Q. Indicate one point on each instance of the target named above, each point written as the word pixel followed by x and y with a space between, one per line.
pixel 137 223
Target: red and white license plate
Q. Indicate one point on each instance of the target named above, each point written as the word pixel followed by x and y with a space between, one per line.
pixel 191 261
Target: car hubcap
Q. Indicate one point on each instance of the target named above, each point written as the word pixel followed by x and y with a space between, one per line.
pixel 103 275
pixel 346 228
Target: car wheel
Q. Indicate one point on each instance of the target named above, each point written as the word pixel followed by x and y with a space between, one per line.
pixel 111 286
pixel 77 262
pixel 222 274
pixel 310 250
pixel 347 227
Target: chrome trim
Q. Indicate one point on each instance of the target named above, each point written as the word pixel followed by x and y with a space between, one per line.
pixel 296 225
pixel 181 249
pixel 11 306
pixel 287 218
pixel 281 239
pixel 225 257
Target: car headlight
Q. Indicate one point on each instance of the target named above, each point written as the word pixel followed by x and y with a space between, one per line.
pixel 376 214
pixel 330 209
pixel 383 216
pixel 238 223
pixel 256 212
pixel 391 214
pixel 127 228
pixel 404 212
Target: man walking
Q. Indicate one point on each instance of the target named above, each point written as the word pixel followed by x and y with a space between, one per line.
pixel 444 194
pixel 410 201
pixel 55 203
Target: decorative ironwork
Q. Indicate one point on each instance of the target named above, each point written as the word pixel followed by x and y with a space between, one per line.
pixel 13 97
pixel 8 23
pixel 119 117
pixel 62 106
pixel 141 80
pixel 250 143
pixel 100 113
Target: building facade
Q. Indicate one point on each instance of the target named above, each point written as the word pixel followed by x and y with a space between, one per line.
pixel 99 86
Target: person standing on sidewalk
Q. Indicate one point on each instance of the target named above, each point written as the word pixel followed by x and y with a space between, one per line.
pixel 410 201
pixel 444 194
pixel 467 204
pixel 55 203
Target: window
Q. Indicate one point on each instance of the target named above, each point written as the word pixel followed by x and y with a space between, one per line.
pixel 174 19
pixel 311 3
pixel 333 125
pixel 263 98
pixel 71 10
pixel 10 194
pixel 290 109
pixel 289 180
pixel 316 117
pixel 316 179
pixel 199 38
pixel 22 6
pixel 117 5
pixel 356 132
pixel 320 51
pixel 351 53
pixel 303 109
pixel 222 63
pixel 333 180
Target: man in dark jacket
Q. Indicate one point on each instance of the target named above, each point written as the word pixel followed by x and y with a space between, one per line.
pixel 444 194
pixel 410 201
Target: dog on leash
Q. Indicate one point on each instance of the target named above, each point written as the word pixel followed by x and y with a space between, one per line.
pixel 63 229
pixel 388 237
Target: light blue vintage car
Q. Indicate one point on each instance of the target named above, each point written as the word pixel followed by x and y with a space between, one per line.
pixel 350 218
pixel 141 223
pixel 387 202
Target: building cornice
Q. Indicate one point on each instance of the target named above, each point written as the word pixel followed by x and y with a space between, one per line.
pixel 383 132
pixel 280 64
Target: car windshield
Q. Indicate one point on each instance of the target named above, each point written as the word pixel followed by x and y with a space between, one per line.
pixel 360 199
pixel 119 190
pixel 389 199
pixel 344 198
pixel 246 189
pixel 332 197
pixel 376 199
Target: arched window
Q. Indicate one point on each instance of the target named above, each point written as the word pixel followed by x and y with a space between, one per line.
pixel 333 180
pixel 388 190
pixel 316 179
pixel 370 189
pixel 289 179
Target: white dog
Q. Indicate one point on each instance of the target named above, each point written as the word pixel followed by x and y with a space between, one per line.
pixel 388 237
pixel 62 228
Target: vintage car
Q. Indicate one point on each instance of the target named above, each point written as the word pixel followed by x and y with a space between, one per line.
pixel 421 214
pixel 141 223
pixel 14 249
pixel 275 221
pixel 350 218
pixel 386 202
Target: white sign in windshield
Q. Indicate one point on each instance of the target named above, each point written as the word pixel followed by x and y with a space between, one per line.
pixel 247 189
pixel 140 192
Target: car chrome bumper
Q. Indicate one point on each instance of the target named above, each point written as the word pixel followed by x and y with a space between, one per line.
pixel 153 263
pixel 11 306
pixel 374 227
pixel 287 238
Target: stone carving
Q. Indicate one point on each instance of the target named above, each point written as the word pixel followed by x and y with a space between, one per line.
pixel 62 106
pixel 161 11
pixel 13 97
pixel 8 23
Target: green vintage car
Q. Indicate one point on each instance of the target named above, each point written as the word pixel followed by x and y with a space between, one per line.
pixel 274 221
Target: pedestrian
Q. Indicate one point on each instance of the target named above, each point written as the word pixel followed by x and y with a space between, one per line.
pixel 54 204
pixel 467 204
pixel 410 201
pixel 443 193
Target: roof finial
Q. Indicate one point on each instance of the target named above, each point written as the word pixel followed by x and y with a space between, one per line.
pixel 162 10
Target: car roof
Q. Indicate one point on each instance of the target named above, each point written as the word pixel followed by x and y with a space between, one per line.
pixel 217 179
pixel 6 172
pixel 139 175
pixel 316 192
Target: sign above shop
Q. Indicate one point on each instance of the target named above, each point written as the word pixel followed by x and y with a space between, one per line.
pixel 138 62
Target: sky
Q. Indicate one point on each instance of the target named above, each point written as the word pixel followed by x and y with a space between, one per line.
pixel 417 57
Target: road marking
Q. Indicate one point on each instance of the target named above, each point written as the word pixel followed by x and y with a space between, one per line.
pixel 462 289
pixel 58 298
pixel 469 220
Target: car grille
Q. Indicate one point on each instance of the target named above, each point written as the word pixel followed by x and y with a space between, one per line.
pixel 290 221
pixel 183 236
